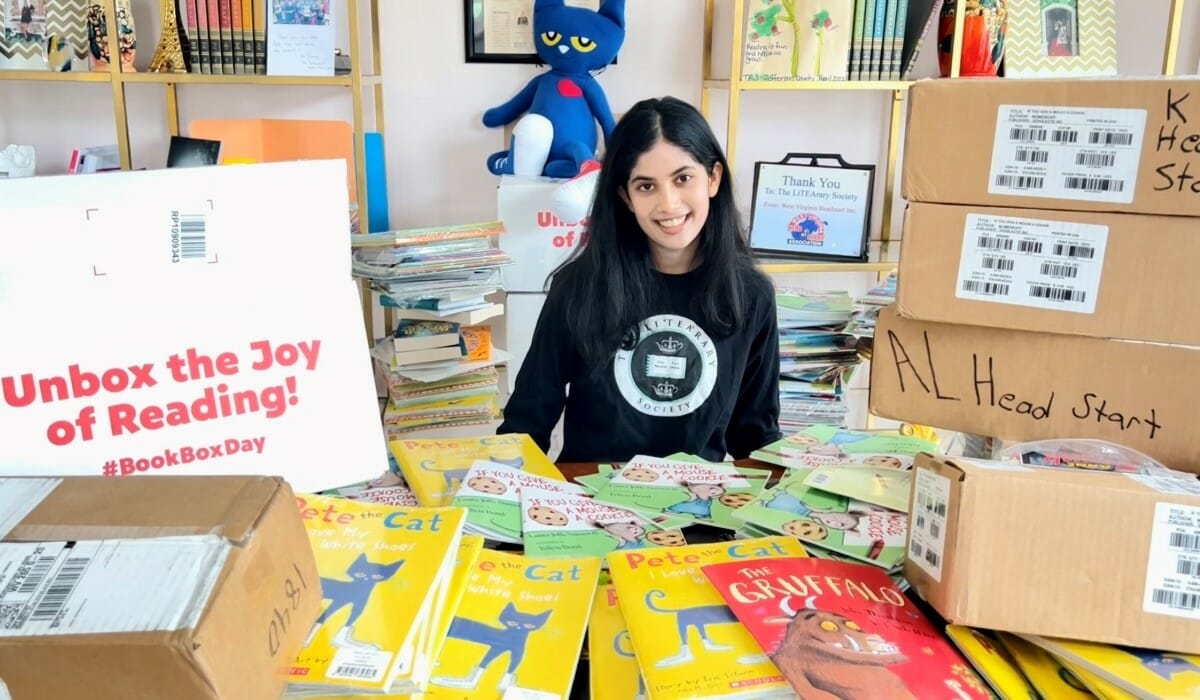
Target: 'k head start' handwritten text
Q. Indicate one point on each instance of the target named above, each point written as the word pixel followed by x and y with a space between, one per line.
pixel 113 390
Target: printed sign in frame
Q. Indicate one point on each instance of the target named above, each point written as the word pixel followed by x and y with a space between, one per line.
pixel 814 206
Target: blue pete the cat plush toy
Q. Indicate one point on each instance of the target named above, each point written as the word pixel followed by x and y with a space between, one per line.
pixel 561 107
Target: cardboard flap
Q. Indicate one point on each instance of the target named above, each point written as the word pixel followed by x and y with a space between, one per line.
pixel 149 506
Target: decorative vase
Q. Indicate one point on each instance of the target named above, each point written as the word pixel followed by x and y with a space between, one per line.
pixel 985 24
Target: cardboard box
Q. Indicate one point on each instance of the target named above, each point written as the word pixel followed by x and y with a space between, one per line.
pixel 204 588
pixel 1020 385
pixel 1105 144
pixel 536 239
pixel 1091 556
pixel 1085 273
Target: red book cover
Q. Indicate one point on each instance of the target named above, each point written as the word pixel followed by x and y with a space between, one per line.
pixel 843 631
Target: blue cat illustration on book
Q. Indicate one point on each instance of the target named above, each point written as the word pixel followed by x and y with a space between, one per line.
pixel 624 647
pixel 698 617
pixel 1161 664
pixel 556 113
pixel 509 638
pixel 364 575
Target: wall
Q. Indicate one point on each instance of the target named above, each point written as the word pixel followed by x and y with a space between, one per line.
pixel 433 100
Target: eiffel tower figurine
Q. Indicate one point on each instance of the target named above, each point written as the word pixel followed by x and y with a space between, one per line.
pixel 169 55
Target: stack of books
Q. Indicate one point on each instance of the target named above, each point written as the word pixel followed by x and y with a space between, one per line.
pixel 816 356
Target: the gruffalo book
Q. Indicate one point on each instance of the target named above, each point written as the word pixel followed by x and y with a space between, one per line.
pixel 843 631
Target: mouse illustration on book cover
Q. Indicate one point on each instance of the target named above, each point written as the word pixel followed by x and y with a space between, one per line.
pixel 363 576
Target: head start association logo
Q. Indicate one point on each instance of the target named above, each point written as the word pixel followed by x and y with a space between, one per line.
pixel 671 368
pixel 806 229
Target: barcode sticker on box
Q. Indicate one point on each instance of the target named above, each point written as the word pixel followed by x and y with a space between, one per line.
pixel 1182 484
pixel 18 498
pixel 1083 153
pixel 1032 262
pixel 1173 569
pixel 927 531
pixel 89 587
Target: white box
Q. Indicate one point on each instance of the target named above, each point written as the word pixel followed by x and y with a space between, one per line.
pixel 535 238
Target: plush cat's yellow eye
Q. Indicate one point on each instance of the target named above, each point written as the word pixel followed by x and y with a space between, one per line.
pixel 582 43
pixel 829 626
pixel 551 38
pixel 850 625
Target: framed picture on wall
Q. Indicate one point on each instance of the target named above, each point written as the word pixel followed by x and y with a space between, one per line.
pixel 501 31
pixel 1062 38
pixel 814 206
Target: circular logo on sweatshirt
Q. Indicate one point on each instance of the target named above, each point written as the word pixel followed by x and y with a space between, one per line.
pixel 670 370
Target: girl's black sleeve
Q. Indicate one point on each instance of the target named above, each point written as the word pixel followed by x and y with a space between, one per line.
pixel 540 391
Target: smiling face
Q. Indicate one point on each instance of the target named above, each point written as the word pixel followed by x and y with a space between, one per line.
pixel 668 192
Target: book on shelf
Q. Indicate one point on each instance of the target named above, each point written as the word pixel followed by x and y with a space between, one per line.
pixel 797 40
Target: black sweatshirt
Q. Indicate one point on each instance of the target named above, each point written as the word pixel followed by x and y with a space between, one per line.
pixel 681 389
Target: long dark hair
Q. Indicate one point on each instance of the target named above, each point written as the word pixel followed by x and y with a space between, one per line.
pixel 610 280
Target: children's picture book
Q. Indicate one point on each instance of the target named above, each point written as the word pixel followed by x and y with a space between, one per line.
pixel 798 40
pixel 491 493
pixel 992 662
pixel 888 488
pixel 675 492
pixel 386 489
pixel 843 631
pixel 383 571
pixel 446 607
pixel 434 467
pixel 1047 676
pixel 517 613
pixel 1140 672
pixel 562 523
pixel 687 642
pixel 613 672
pixel 825 445
pixel 848 526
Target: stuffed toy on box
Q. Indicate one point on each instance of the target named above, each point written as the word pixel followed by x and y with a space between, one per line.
pixel 557 111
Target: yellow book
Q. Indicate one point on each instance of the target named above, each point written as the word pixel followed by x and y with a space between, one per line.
pixel 433 468
pixel 433 636
pixel 1139 672
pixel 992 661
pixel 1050 678
pixel 688 643
pixel 1100 687
pixel 383 569
pixel 613 672
pixel 519 629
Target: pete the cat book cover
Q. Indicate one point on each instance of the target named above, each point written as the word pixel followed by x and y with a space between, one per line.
pixel 382 569
pixel 434 467
pixel 688 643
pixel 516 613
pixel 841 630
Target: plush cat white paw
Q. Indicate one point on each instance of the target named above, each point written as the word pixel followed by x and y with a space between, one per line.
pixel 573 199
